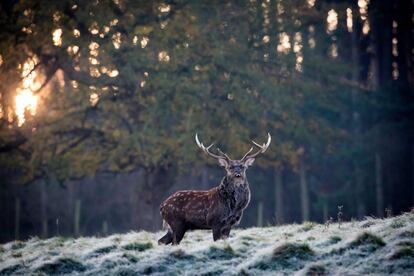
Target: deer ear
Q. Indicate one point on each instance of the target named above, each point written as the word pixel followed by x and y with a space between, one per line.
pixel 249 162
pixel 223 162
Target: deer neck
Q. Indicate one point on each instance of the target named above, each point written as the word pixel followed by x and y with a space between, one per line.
pixel 236 196
pixel 227 185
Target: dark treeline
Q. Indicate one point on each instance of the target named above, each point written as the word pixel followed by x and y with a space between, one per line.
pixel 100 102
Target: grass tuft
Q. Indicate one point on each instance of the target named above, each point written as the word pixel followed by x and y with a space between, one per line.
pixel 308 225
pixel 290 250
pixel 367 238
pixel 226 252
pixel 11 270
pixel 109 264
pixel 406 234
pixel 158 269
pixel 315 269
pixel 104 250
pixel 180 254
pixel 368 224
pixel 62 266
pixel 17 245
pixel 246 238
pixel 136 246
pixel 396 223
pixel 130 258
pixel 334 239
pixel 17 254
pixel 404 249
pixel 124 271
pixel 289 255
pixel 60 241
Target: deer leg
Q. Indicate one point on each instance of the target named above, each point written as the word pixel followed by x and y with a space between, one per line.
pixel 221 231
pixel 166 239
pixel 225 232
pixel 216 233
pixel 178 234
pixel 238 218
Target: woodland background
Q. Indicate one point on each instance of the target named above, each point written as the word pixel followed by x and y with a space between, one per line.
pixel 100 102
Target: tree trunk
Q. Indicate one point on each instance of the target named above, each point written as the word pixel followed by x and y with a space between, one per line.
pixel 325 211
pixel 151 193
pixel 135 199
pixel 379 186
pixel 104 228
pixel 304 194
pixel 279 211
pixel 260 214
pixel 77 217
pixel 356 124
pixel 71 207
pixel 412 174
pixel 57 228
pixel 375 84
pixel 17 219
pixel 43 202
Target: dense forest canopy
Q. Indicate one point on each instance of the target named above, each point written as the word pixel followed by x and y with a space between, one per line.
pixel 92 88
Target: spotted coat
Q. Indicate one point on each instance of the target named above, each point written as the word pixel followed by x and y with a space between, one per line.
pixel 218 209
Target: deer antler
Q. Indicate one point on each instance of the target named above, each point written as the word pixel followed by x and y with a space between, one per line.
pixel 206 150
pixel 263 148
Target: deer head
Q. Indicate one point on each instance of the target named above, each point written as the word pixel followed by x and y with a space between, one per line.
pixel 235 169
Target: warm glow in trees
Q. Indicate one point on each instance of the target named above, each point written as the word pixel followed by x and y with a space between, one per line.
pixel 25 99
pixel 332 20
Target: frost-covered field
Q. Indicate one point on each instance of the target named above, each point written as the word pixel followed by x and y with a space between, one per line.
pixel 371 246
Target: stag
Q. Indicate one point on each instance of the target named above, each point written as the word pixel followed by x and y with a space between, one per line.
pixel 219 208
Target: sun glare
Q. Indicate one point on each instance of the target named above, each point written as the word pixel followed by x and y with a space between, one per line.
pixel 284 43
pixel 349 22
pixel 25 99
pixel 332 20
pixel 57 37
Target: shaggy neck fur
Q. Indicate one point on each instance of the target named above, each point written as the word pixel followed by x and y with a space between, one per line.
pixel 235 195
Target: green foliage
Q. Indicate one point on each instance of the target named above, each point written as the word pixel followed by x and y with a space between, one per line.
pixel 191 66
pixel 200 72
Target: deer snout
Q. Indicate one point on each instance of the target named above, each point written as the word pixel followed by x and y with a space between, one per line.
pixel 237 172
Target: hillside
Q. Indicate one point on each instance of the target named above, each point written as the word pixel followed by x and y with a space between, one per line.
pixel 371 246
